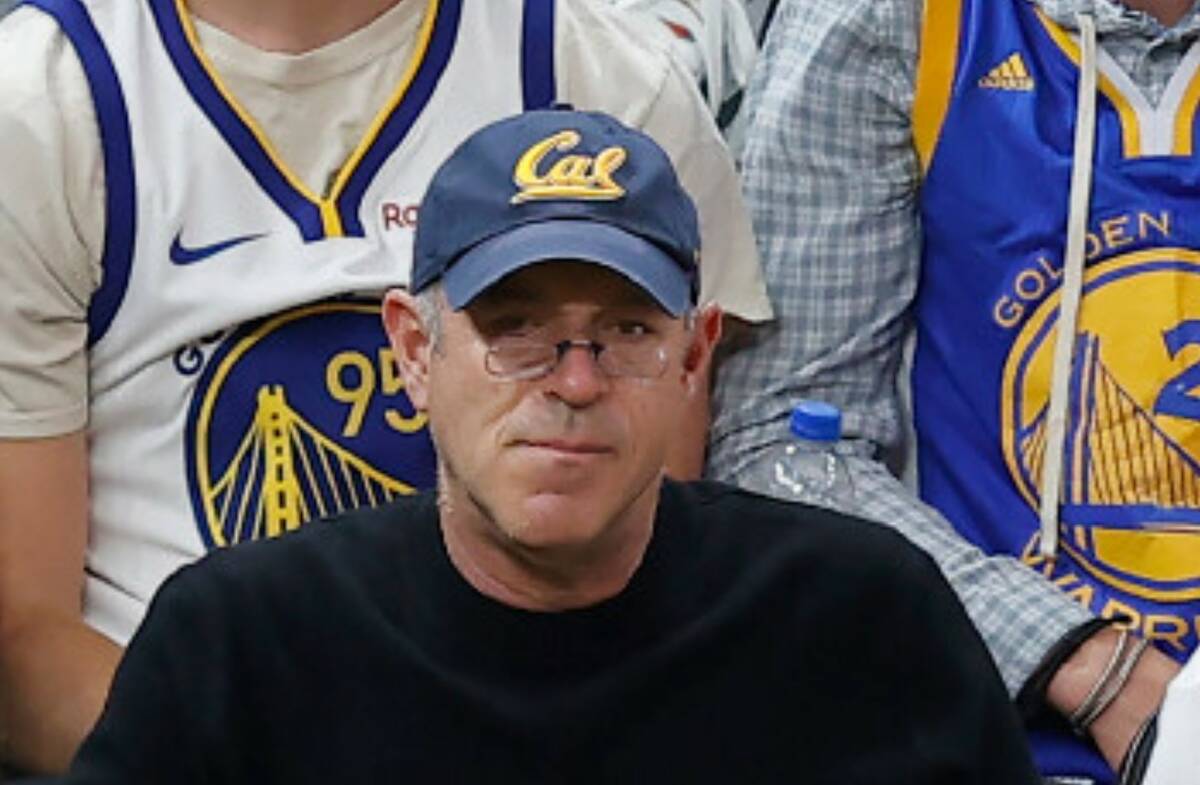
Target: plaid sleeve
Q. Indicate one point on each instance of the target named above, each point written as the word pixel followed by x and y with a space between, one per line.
pixel 831 180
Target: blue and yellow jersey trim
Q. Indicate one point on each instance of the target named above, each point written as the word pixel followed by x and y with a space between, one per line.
pixel 1130 127
pixel 1133 138
pixel 937 62
pixel 316 216
pixel 120 193
pixel 1185 119
pixel 936 75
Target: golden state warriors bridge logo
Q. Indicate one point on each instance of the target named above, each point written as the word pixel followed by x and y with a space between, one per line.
pixel 298 417
pixel 1130 517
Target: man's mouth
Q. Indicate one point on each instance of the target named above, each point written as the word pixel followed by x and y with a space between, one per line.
pixel 580 447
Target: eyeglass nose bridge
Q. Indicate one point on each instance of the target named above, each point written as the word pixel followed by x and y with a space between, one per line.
pixel 594 348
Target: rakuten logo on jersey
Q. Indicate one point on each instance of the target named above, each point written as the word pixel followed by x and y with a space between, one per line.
pixel 396 215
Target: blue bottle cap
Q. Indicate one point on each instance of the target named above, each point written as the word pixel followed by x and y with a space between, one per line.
pixel 817 420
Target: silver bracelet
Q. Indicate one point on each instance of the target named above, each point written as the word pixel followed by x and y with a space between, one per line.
pixel 1110 684
pixel 1089 701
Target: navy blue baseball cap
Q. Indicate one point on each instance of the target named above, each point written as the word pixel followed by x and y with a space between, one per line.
pixel 557 184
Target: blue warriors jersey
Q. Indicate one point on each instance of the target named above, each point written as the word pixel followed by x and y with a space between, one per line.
pixel 241 383
pixel 994 124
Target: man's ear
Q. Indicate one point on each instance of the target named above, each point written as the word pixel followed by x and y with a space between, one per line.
pixel 411 343
pixel 697 363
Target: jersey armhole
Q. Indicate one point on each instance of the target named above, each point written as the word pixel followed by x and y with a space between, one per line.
pixel 120 206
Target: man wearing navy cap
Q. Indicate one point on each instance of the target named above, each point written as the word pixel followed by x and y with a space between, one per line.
pixel 559 612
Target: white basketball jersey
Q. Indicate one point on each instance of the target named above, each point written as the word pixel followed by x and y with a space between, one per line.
pixel 240 378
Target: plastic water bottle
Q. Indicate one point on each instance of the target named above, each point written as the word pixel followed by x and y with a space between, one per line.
pixel 807 468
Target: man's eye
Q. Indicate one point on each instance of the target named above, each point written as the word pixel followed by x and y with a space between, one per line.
pixel 631 330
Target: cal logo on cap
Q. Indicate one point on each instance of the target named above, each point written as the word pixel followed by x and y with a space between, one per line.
pixel 570 177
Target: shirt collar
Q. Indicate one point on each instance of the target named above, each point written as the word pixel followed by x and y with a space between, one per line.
pixel 1114 18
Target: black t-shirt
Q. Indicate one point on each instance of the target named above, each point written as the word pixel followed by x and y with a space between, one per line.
pixel 758 642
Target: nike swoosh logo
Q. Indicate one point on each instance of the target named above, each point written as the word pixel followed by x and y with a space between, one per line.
pixel 184 255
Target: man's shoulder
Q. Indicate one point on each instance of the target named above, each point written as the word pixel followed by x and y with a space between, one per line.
pixel 809 532
pixel 821 562
pixel 362 546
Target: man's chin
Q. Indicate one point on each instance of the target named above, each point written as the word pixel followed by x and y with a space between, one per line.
pixel 553 517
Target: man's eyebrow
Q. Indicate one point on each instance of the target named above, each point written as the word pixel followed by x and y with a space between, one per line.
pixel 635 299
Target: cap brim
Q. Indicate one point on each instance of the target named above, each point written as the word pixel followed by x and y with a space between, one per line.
pixel 642 262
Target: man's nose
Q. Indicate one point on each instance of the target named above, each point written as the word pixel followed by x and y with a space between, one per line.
pixel 578 378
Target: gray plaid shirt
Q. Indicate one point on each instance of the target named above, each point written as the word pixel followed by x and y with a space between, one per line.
pixel 831 178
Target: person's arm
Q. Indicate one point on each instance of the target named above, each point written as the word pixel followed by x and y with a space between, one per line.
pixel 1022 618
pixel 171 715
pixel 731 274
pixel 54 669
pixel 831 180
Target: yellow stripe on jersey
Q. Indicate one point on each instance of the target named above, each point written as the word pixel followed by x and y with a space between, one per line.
pixel 330 220
pixel 1186 117
pixel 1131 134
pixel 332 223
pixel 935 74
pixel 410 72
